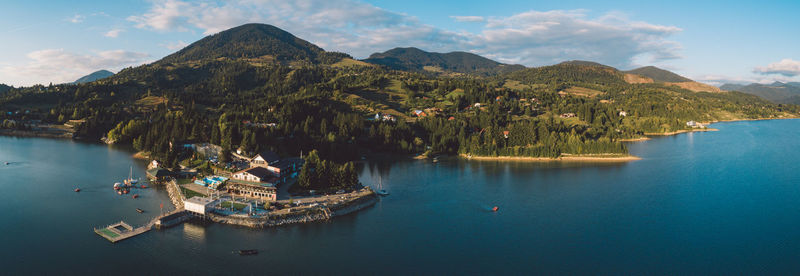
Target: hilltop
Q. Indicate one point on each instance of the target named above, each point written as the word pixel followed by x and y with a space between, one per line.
pixel 254 41
pixel 101 74
pixel 658 74
pixel 414 59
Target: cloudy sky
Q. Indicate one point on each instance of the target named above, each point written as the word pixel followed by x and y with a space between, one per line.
pixel 712 42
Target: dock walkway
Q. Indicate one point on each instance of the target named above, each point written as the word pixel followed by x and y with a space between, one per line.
pixel 122 230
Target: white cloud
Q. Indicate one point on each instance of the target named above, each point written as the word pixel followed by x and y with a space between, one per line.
pixel 77 18
pixel 468 18
pixel 531 38
pixel 786 67
pixel 59 66
pixel 175 45
pixel 113 33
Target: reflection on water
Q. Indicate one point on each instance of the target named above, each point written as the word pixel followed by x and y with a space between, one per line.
pixel 194 232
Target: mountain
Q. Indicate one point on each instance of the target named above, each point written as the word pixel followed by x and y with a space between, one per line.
pixel 102 74
pixel 658 74
pixel 250 41
pixel 414 59
pixel 777 92
pixel 586 63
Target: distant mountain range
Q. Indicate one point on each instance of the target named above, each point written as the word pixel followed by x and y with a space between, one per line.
pixel 414 59
pixel 102 74
pixel 777 92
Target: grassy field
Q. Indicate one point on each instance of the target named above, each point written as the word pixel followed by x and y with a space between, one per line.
pixel 190 194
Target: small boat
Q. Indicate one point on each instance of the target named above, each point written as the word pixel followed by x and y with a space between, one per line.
pixel 119 192
pixel 245 252
pixel 139 210
pixel 125 192
pixel 77 190
pixel 143 186
pixel 7 163
pixel 135 196
pixel 494 209
pixel 381 191
pixel 117 185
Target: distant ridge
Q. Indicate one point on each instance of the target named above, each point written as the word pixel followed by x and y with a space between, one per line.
pixel 414 59
pixel 4 88
pixel 658 74
pixel 586 63
pixel 777 92
pixel 102 74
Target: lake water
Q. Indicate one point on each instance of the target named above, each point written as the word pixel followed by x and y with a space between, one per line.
pixel 725 202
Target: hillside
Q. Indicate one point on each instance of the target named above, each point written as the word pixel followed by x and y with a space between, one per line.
pixel 223 90
pixel 777 92
pixel 250 41
pixel 658 74
pixel 413 59
pixel 94 76
pixel 4 88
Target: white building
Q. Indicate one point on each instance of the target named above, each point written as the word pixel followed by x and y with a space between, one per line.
pixel 198 204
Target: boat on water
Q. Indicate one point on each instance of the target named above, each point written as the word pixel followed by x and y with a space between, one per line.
pixel 7 163
pixel 135 196
pixel 119 192
pixel 130 181
pixel 495 208
pixel 245 252
pixel 143 186
pixel 380 191
pixel 77 190
pixel 125 192
pixel 117 186
pixel 139 210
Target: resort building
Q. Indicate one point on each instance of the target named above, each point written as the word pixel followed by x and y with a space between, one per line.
pixel 199 205
pixel 253 174
pixel 261 191
pixel 264 159
pixel 283 169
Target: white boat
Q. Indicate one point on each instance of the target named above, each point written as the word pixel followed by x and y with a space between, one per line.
pixel 381 191
pixel 130 181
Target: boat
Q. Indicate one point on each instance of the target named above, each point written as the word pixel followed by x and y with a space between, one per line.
pixel 245 252
pixel 7 163
pixel 125 192
pixel 77 190
pixel 119 192
pixel 135 196
pixel 381 191
pixel 143 186
pixel 494 209
pixel 139 210
pixel 117 185
pixel 130 181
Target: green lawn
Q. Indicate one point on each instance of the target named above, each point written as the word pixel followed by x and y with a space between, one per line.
pixel 237 206
pixel 190 193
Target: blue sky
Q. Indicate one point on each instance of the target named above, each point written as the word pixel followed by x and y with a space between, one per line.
pixel 709 41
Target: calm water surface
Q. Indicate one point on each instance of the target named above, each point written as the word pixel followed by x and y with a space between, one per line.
pixel 724 202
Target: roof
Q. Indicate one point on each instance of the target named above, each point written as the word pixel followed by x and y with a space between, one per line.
pixel 200 200
pixel 259 172
pixel 285 163
pixel 268 156
pixel 158 172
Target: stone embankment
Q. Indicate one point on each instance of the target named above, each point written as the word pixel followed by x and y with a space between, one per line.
pixel 175 194
pixel 317 213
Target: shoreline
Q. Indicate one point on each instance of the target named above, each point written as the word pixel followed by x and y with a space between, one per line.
pixel 596 158
pixel 679 132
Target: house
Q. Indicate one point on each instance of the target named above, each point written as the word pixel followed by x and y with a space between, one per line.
pixel 253 174
pixel 252 190
pixel 420 113
pixel 451 118
pixel 198 204
pixel 623 113
pixel 286 168
pixel 694 124
pixel 567 115
pixel 158 174
pixel 263 159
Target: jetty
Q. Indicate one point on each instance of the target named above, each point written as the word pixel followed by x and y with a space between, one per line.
pixel 122 230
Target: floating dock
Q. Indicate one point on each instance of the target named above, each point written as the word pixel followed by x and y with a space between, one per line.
pixel 122 230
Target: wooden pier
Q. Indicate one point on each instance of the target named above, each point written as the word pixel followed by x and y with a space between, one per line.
pixel 122 230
